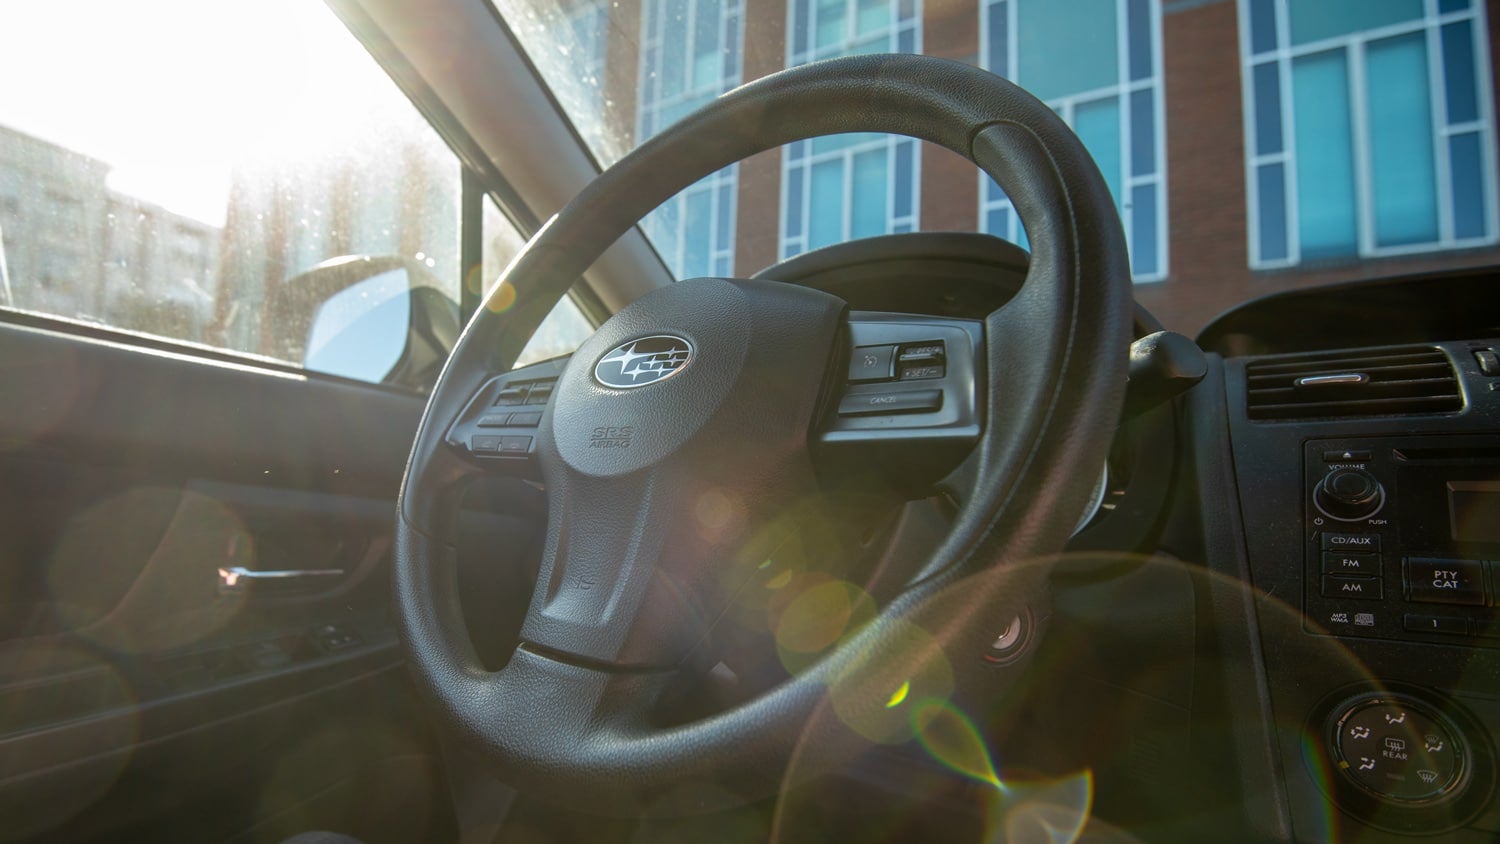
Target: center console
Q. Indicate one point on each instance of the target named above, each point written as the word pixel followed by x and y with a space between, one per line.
pixel 1371 537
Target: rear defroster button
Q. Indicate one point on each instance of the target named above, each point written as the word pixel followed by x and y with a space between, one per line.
pixel 889 402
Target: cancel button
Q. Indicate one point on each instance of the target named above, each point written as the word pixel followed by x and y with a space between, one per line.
pixel 1436 581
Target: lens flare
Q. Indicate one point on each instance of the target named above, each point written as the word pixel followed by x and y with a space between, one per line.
pixel 864 695
pixel 501 299
pixel 1044 811
pixel 899 696
pixel 817 617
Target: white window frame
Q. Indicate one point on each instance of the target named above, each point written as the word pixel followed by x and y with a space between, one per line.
pixel 720 255
pixel 788 246
pixel 1430 24
pixel 1065 107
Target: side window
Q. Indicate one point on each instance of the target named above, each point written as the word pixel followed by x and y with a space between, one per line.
pixel 565 328
pixel 1097 63
pixel 1368 128
pixel 294 207
pixel 842 187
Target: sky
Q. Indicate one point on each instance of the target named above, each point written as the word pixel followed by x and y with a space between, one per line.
pixel 175 93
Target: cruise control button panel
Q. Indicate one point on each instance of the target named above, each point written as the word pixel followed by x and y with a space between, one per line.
pixel 500 424
pixel 910 405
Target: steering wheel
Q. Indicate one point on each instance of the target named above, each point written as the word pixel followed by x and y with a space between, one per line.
pixel 739 378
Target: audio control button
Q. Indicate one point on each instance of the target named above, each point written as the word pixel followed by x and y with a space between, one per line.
pixel 1364 588
pixel 1349 494
pixel 1436 624
pixel 1351 542
pixel 1435 581
pixel 1351 562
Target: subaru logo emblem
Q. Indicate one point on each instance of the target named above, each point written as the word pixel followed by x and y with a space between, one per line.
pixel 644 361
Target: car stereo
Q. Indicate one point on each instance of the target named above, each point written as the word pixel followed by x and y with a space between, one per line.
pixel 1403 538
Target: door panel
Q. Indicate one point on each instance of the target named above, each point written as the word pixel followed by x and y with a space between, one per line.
pixel 138 694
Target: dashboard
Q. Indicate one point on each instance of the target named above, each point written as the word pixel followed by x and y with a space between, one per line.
pixel 1367 483
pixel 1313 530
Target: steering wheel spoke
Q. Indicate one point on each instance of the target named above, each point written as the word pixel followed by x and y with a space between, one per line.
pixel 910 407
pixel 497 430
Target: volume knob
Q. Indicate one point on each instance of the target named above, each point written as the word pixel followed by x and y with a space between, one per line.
pixel 1349 495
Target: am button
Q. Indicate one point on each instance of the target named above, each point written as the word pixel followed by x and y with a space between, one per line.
pixel 1364 588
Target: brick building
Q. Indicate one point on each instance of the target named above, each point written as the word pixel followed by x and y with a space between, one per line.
pixel 1253 145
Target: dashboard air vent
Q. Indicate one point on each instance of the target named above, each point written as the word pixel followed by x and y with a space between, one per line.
pixel 1395 381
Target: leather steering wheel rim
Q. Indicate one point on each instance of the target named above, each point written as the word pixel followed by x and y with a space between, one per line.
pixel 567 728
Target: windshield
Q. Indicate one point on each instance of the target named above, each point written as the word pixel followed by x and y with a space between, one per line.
pixel 1252 146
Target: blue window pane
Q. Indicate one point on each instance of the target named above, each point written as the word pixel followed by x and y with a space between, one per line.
pixel 1314 20
pixel 829 26
pixel 723 234
pixel 674 48
pixel 867 205
pixel 1468 188
pixel 1268 136
pixel 1458 72
pixel 830 143
pixel 1098 126
pixel 662 226
pixel 996 39
pixel 1325 165
pixel 904 189
pixel 871 16
pixel 1262 26
pixel 1270 182
pixel 901 228
pixel 651 14
pixel 906 41
pixel 799 27
pixel 648 124
pixel 696 235
pixel 907 9
pixel 706 60
pixel 721 266
pixel 1143 253
pixel 796 150
pixel 731 52
pixel 993 192
pixel 1142 133
pixel 1452 5
pixel 826 207
pixel 648 90
pixel 790 250
pixel 1139 33
pixel 1071 46
pixel 997 222
pixel 793 202
pixel 1402 163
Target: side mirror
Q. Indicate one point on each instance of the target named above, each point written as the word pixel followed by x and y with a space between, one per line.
pixel 384 320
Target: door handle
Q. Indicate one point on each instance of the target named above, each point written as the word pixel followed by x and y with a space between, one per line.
pixel 239 578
